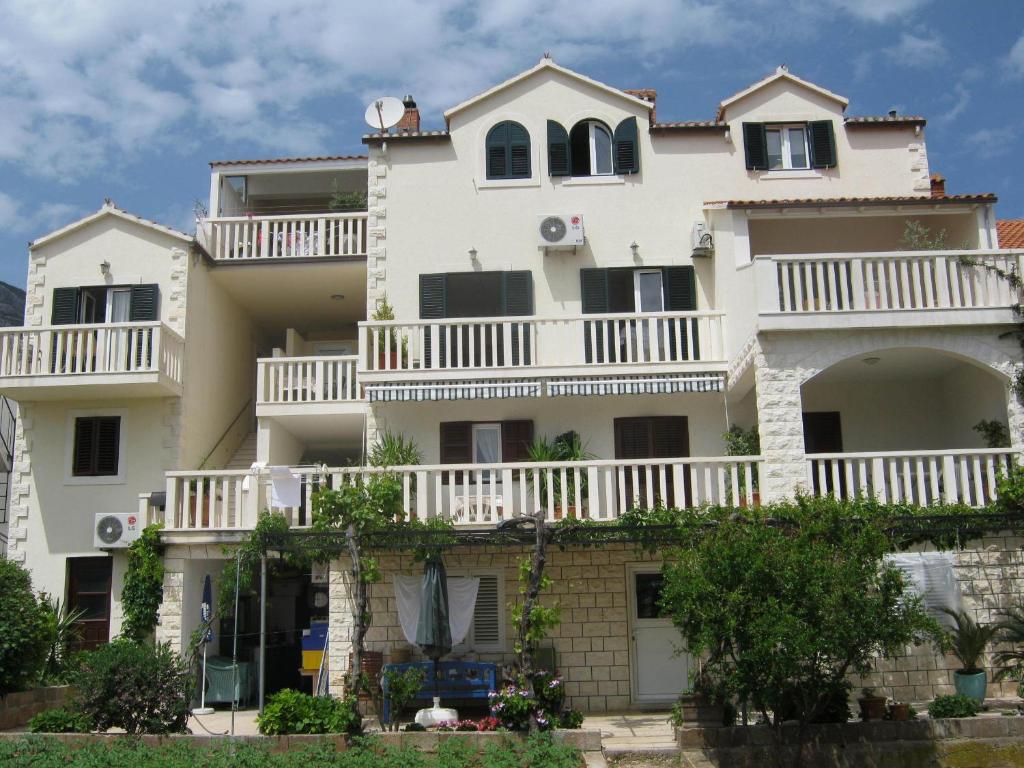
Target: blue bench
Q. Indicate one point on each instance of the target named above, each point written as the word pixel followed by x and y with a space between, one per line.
pixel 455 680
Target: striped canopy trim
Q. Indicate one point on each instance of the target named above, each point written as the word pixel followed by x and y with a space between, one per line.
pixel 477 390
pixel 639 385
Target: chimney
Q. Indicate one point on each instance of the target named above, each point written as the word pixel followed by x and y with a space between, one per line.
pixel 410 122
pixel 938 185
pixel 646 94
pixel 892 113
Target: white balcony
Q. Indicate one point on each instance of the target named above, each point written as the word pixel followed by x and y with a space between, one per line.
pixel 266 238
pixel 317 399
pixel 514 346
pixel 911 477
pixel 847 290
pixel 474 495
pixel 109 360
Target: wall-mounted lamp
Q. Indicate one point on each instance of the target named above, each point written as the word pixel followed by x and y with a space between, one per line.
pixel 105 267
pixel 473 255
pixel 728 136
pixel 634 248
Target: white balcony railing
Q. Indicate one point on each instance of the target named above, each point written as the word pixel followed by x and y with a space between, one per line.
pixel 287 380
pixel 474 494
pixel 515 342
pixel 280 237
pixel 911 477
pixel 74 350
pixel 898 280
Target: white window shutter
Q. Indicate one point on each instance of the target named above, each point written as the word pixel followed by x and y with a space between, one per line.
pixel 931 576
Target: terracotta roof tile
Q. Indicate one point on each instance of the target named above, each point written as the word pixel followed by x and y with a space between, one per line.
pixel 877 120
pixel 373 138
pixel 691 125
pixel 272 161
pixel 813 202
pixel 1011 233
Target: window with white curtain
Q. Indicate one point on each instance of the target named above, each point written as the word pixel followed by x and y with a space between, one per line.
pixel 487 443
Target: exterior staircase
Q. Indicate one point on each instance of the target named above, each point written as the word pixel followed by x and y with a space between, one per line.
pixel 245 454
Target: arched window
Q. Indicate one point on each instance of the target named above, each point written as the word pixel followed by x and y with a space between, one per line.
pixel 591 147
pixel 508 151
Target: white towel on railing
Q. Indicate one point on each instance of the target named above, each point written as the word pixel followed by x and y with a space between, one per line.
pixel 461 603
pixel 285 488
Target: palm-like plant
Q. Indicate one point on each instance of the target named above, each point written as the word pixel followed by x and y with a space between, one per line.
pixel 968 640
pixel 1009 662
pixel 395 450
pixel 63 631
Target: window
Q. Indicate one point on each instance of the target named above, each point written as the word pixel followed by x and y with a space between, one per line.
pixel 102 304
pixel 487 630
pixel 593 149
pixel 787 147
pixel 467 442
pixel 591 144
pixel 796 146
pixel 932 577
pixel 96 446
pixel 508 151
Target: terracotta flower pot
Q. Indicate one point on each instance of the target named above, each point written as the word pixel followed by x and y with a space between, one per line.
pixel 872 707
pixel 900 712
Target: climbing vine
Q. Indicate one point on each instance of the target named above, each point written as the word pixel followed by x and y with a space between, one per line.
pixel 143 585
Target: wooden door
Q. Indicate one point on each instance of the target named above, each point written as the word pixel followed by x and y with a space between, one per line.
pixel 89 591
pixel 651 437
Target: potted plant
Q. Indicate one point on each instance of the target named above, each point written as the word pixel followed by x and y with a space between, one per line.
pixel 967 641
pixel 567 446
pixel 383 313
pixel 872 706
pixel 744 442
pixel 210 494
pixel 900 711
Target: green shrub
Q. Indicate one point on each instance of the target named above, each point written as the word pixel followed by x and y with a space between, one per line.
pixel 290 711
pixel 572 719
pixel 143 585
pixel 139 688
pixel 402 688
pixel 24 629
pixel 60 720
pixel 953 706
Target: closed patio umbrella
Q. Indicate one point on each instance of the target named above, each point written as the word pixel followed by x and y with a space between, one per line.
pixel 433 630
pixel 205 614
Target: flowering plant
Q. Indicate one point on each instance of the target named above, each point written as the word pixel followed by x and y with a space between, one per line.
pixel 512 707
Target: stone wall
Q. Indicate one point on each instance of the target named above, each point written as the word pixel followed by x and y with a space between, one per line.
pixel 16 709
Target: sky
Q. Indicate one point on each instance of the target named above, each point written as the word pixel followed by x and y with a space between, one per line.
pixel 131 100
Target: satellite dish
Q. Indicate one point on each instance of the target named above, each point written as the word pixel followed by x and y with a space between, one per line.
pixel 384 113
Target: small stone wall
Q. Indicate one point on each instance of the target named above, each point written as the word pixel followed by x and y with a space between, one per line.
pixel 16 709
pixel 913 744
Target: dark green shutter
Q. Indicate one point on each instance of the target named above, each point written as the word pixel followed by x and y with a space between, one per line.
pixel 680 287
pixel 144 303
pixel 822 141
pixel 518 151
pixel 433 306
pixel 518 295
pixel 82 462
pixel 497 151
pixel 456 447
pixel 516 437
pixel 755 147
pixel 626 147
pixel 108 439
pixel 65 306
pixel 594 292
pixel 558 150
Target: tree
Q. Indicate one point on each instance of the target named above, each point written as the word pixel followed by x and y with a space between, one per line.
pixel 25 629
pixel 785 601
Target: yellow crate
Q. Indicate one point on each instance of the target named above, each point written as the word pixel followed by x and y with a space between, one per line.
pixel 312 659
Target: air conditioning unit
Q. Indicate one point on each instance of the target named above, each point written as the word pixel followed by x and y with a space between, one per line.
pixel 560 231
pixel 115 531
pixel 702 242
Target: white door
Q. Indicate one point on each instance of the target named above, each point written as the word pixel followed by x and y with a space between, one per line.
pixel 648 296
pixel 660 673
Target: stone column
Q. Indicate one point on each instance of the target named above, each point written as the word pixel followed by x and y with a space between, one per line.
pixel 168 626
pixel 340 624
pixel 780 424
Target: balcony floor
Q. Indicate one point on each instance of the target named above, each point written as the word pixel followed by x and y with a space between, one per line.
pixel 89 386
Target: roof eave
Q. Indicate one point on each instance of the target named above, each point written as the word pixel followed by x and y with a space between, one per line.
pixel 107 210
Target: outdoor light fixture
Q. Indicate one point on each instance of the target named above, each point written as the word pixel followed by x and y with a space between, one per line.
pixel 871 360
pixel 337 296
pixel 634 248
pixel 472 254
pixel 105 267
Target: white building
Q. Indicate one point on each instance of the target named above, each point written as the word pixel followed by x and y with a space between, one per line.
pixel 557 260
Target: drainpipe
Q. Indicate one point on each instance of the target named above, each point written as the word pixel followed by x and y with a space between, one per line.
pixel 263 629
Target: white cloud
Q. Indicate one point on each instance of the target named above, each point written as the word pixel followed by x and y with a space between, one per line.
pixel 877 10
pixel 8 211
pixel 919 51
pixel 987 143
pixel 1015 60
pixel 42 218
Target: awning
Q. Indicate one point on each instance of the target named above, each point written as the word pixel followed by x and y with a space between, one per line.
pixel 477 390
pixel 638 385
